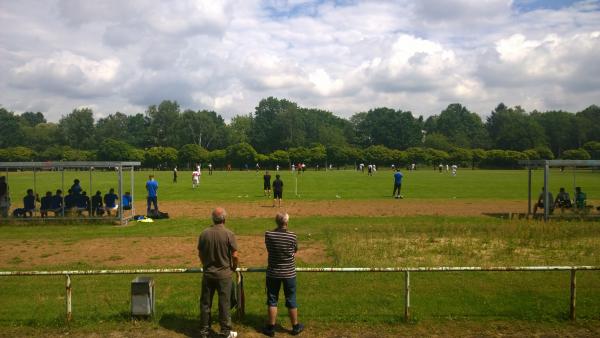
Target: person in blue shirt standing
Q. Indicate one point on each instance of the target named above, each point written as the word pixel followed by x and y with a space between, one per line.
pixel 397 184
pixel 152 187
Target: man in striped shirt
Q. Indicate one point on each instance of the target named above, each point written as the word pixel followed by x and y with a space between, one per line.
pixel 282 246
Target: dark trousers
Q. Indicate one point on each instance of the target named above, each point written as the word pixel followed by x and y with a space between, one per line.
pixel 152 200
pixel 397 188
pixel 223 289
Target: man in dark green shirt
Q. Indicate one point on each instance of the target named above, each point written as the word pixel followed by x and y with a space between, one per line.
pixel 218 252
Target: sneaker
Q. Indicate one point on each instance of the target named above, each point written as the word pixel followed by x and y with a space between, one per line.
pixel 268 330
pixel 296 329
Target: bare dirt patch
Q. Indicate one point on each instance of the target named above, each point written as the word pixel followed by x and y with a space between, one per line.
pixel 391 207
pixel 140 252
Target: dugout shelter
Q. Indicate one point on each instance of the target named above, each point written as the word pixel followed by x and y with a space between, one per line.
pixel 546 165
pixel 87 168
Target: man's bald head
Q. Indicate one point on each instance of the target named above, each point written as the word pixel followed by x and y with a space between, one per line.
pixel 218 215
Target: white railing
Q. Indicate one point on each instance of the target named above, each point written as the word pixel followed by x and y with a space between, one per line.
pixel 405 270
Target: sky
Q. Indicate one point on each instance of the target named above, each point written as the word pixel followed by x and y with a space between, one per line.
pixel 345 56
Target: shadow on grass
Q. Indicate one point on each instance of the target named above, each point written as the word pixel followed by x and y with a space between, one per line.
pixel 190 327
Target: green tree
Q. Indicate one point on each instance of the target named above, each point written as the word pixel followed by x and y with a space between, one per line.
pixel 593 148
pixel 462 127
pixel 12 133
pixel 280 157
pixel 299 154
pixel 513 129
pixel 204 128
pixel 240 154
pixel 114 126
pixel 379 155
pixel 560 128
pixel 218 157
pixel 164 123
pixel 160 157
pixel 460 156
pixel 588 123
pixel 33 119
pixel 193 153
pixel 390 128
pixel 19 154
pixel 576 154
pixel 77 129
pixel 239 129
pixel 114 150
pixel 41 136
pixel 437 141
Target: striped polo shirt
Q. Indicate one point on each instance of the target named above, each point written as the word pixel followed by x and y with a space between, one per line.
pixel 282 247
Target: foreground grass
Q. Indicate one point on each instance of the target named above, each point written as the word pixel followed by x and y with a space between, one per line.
pixel 312 185
pixel 350 302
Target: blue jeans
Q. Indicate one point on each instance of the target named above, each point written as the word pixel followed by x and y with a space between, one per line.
pixel 289 290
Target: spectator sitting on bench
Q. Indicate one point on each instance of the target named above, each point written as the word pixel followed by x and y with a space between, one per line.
pixel 580 199
pixel 57 206
pixel 563 200
pixel 96 205
pixel 127 201
pixel 540 202
pixel 70 202
pixel 46 204
pixel 110 201
pixel 29 203
pixel 83 202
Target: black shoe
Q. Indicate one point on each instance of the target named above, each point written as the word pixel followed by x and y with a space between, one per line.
pixel 269 330
pixel 297 329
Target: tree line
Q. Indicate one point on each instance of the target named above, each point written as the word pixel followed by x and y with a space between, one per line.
pixel 281 132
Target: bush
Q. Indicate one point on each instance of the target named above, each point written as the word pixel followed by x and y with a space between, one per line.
pixel 593 148
pixel 190 154
pixel 503 159
pixel 17 154
pixel 240 154
pixel 160 157
pixel 576 154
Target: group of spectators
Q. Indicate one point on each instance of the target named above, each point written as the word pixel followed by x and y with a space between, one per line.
pixel 76 201
pixel 562 201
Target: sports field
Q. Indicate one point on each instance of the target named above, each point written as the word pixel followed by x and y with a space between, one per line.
pixel 343 219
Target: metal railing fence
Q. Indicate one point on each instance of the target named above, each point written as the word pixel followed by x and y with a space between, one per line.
pixel 406 270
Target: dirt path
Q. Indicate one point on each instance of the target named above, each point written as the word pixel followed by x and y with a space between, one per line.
pixel 391 207
pixel 140 252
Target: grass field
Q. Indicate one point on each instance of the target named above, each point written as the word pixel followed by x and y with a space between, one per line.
pixel 312 185
pixel 333 305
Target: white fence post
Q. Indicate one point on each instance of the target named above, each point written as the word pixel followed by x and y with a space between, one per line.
pixel 68 298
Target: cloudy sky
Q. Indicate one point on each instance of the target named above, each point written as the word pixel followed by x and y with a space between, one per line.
pixel 343 56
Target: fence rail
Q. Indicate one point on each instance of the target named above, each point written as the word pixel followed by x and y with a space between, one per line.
pixel 406 270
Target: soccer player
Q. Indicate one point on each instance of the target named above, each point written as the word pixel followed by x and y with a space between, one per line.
pixel 277 191
pixel 196 178
pixel 267 183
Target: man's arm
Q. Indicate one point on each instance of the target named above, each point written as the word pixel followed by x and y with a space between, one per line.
pixel 235 260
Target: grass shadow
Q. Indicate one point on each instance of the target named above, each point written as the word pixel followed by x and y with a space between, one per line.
pixel 190 327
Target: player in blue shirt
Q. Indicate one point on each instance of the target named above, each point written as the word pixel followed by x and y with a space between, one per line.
pixel 152 188
pixel 397 184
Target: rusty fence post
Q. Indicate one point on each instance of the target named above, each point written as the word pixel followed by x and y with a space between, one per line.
pixel 68 298
pixel 406 296
pixel 573 294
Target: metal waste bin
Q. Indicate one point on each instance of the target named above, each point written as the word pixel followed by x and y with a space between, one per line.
pixel 142 296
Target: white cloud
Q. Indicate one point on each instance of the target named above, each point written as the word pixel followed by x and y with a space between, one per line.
pixel 349 57
pixel 68 73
